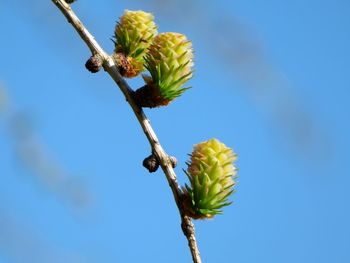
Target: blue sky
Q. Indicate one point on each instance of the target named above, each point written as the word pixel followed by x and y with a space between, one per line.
pixel 271 81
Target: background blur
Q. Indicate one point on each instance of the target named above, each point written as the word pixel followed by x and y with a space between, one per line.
pixel 272 81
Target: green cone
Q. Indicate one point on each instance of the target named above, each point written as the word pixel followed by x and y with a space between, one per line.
pixel 169 61
pixel 211 173
pixel 133 34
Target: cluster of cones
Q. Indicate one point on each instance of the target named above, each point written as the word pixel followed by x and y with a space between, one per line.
pixel 168 58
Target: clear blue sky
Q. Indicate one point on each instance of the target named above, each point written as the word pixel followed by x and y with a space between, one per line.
pixel 272 81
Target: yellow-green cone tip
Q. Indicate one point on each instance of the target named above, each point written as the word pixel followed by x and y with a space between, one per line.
pixel 133 35
pixel 211 173
pixel 170 61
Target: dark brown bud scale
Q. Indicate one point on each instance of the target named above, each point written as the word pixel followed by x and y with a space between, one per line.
pixel 151 163
pixel 93 64
pixel 149 96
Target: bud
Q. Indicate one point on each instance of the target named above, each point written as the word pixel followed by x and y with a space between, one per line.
pixel 211 173
pixel 93 64
pixel 70 1
pixel 133 35
pixel 151 163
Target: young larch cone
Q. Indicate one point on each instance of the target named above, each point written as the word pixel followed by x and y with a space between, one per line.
pixel 169 61
pixel 211 173
pixel 133 35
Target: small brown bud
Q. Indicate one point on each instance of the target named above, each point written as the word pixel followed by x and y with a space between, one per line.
pixel 173 161
pixel 70 1
pixel 151 163
pixel 94 64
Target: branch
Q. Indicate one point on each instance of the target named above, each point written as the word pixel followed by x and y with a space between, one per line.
pixel 157 149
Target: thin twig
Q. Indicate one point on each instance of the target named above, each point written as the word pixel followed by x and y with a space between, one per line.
pixel 110 67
